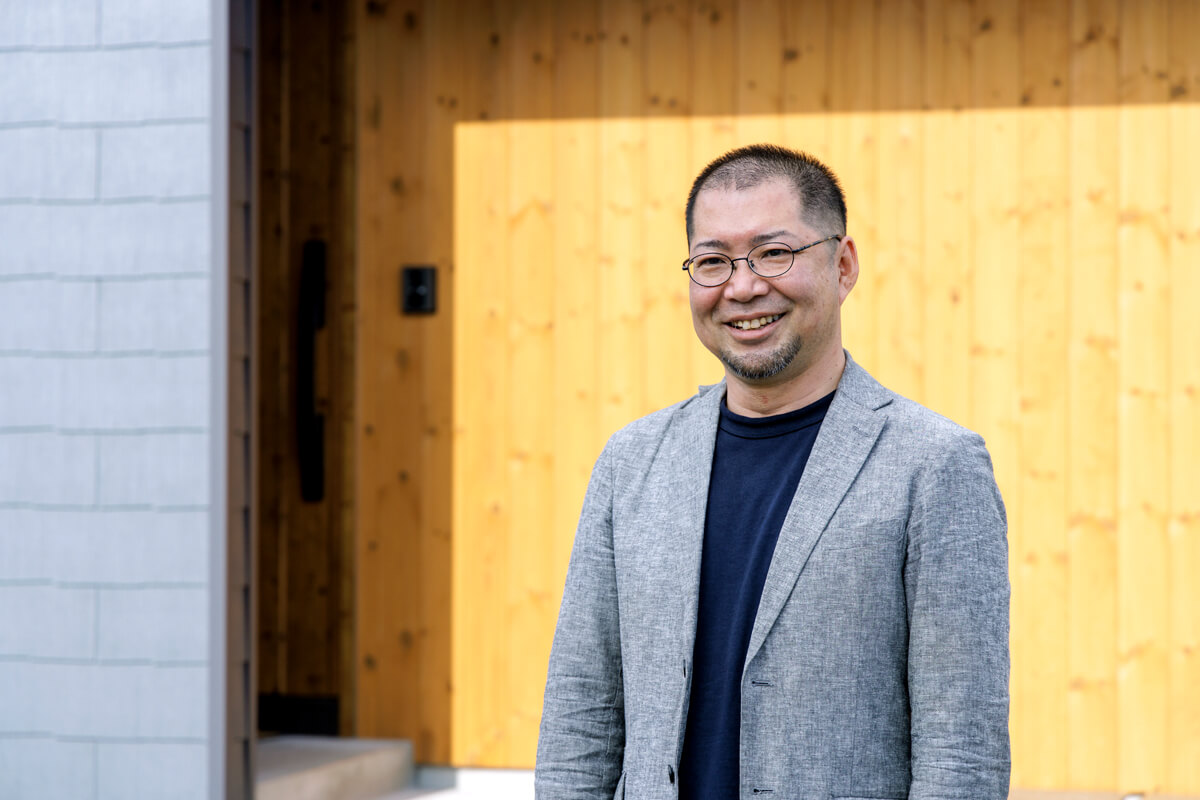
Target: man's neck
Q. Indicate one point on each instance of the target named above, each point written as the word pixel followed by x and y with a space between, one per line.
pixel 767 399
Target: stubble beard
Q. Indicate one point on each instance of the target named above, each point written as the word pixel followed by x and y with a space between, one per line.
pixel 761 367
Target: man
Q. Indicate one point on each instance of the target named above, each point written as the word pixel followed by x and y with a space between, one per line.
pixel 794 584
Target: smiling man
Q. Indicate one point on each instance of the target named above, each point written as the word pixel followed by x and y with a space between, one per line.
pixel 794 584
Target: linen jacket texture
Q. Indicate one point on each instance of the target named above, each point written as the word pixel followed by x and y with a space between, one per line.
pixel 878 661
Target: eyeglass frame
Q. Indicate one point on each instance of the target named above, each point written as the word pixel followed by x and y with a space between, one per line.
pixel 749 263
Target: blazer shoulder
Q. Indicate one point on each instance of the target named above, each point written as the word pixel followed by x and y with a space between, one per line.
pixel 926 427
pixel 677 434
pixel 654 427
pixel 908 424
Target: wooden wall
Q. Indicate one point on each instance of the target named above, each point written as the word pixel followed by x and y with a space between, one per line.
pixel 1021 185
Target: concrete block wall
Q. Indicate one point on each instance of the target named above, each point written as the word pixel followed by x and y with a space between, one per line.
pixel 104 398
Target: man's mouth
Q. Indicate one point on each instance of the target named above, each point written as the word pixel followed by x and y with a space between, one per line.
pixel 757 322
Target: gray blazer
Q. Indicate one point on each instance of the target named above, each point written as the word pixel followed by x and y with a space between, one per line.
pixel 878 662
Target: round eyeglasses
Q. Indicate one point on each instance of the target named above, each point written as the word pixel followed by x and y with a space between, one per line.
pixel 769 260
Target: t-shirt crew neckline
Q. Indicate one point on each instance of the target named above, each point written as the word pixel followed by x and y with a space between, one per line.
pixel 777 424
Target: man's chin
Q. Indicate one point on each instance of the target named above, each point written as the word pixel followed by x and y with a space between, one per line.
pixel 758 369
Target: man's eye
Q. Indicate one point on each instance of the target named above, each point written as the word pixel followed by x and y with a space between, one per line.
pixel 710 262
pixel 774 252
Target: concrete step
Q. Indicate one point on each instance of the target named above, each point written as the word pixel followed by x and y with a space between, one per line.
pixel 324 768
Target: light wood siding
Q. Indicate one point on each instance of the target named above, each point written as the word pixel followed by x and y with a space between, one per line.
pixel 1021 182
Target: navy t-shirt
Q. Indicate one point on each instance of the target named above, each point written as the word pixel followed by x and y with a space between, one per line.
pixel 757 464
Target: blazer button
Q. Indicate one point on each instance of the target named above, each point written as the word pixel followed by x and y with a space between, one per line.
pixel 671 774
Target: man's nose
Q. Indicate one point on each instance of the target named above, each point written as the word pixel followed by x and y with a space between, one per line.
pixel 744 284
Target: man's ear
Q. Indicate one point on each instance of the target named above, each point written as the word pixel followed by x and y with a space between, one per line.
pixel 847 267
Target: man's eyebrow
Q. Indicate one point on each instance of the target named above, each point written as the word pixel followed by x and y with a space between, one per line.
pixel 757 239
pixel 773 236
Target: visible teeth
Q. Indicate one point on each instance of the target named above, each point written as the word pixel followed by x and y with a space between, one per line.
pixel 751 324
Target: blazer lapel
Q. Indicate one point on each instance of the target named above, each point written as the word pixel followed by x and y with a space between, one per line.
pixel 689 449
pixel 847 435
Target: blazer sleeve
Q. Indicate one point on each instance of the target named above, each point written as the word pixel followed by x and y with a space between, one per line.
pixel 957 590
pixel 582 738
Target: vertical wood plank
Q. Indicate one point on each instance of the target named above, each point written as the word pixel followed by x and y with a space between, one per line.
pixel 483 521
pixel 899 284
pixel 1183 121
pixel 946 223
pixel 531 604
pixel 443 91
pixel 1040 567
pixel 577 438
pixel 668 377
pixel 759 65
pixel 713 49
pixel 482 512
pixel 1142 482
pixel 271 315
pixel 391 185
pixel 1092 399
pixel 713 90
pixel 854 156
pixel 995 259
pixel 621 297
pixel 407 105
pixel 804 79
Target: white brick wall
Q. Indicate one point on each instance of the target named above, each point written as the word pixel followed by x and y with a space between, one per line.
pixel 55 622
pixel 85 87
pixel 155 161
pixel 48 769
pixel 47 315
pixel 170 314
pixel 142 623
pixel 152 770
pixel 48 23
pixel 104 398
pixel 133 21
pixel 136 239
pixel 54 163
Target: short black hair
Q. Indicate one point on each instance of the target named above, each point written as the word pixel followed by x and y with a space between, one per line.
pixel 821 198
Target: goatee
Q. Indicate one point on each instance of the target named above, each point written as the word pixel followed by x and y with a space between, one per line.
pixel 760 368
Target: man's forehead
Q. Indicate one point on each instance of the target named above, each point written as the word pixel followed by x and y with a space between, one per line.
pixel 768 207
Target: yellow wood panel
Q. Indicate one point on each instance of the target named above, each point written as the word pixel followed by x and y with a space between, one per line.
pixel 1142 433
pixel 1002 245
pixel 995 226
pixel 621 261
pixel 946 230
pixel 1183 701
pixel 668 378
pixel 898 268
pixel 577 436
pixel 759 69
pixel 805 77
pixel 482 426
pixel 854 155
pixel 1040 566
pixel 532 603
pixel 945 139
pixel 1183 121
pixel 1092 758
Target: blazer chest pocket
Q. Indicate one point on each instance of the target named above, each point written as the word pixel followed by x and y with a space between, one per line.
pixel 864 534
